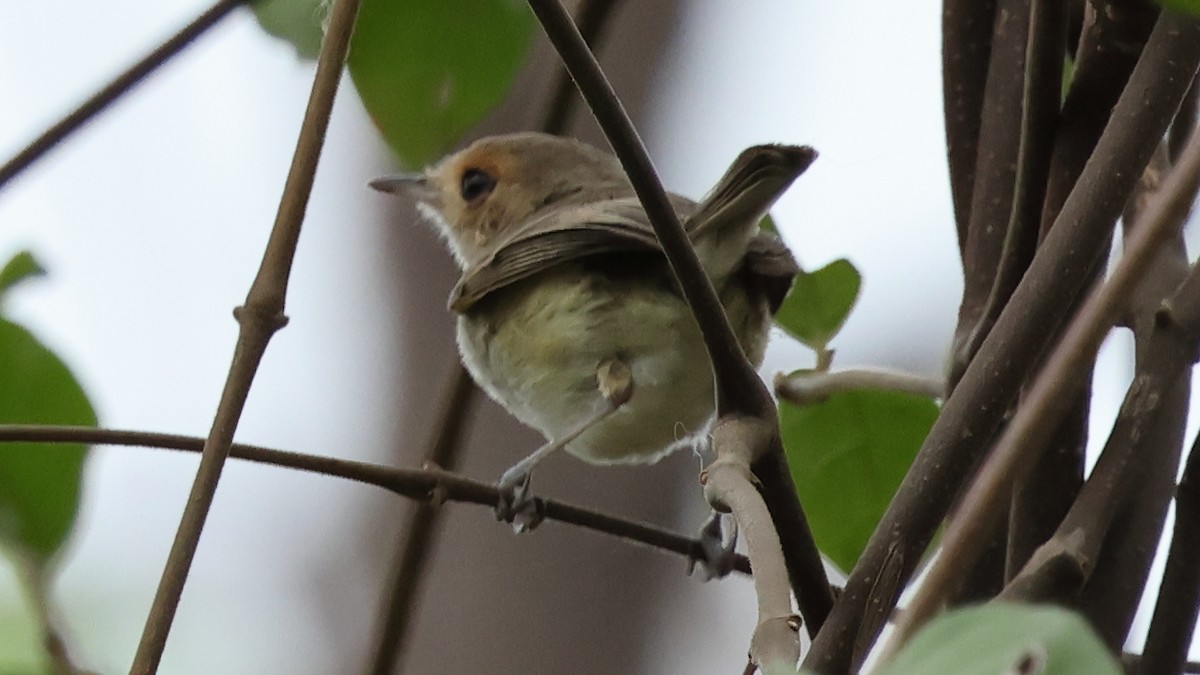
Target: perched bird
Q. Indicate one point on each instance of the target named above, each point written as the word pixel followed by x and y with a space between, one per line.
pixel 568 314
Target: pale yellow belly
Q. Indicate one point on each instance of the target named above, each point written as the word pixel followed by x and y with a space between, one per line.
pixel 536 346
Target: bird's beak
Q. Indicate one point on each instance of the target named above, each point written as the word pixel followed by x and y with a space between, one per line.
pixel 413 184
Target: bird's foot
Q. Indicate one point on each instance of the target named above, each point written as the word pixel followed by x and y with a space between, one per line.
pixel 515 505
pixel 717 549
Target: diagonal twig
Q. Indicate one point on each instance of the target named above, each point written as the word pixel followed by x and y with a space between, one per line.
pixel 258 319
pixel 115 89
pixel 423 524
pixel 741 396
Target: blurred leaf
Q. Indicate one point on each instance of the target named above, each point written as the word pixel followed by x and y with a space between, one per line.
pixel 428 70
pixel 819 302
pixel 39 485
pixel 295 21
pixel 22 266
pixel 1000 637
pixel 768 224
pixel 1186 6
pixel 21 650
pixel 848 455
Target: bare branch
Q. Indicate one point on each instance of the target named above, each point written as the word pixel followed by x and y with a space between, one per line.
pixel 1141 486
pixel 423 524
pixel 993 194
pixel 966 46
pixel 739 390
pixel 258 319
pixel 729 485
pixel 1032 319
pixel 594 19
pixel 1020 444
pixel 115 89
pixel 805 388
pixel 1112 38
pixel 1179 595
pixel 426 485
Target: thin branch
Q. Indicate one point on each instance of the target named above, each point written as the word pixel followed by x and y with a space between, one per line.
pixel 594 18
pixel 1178 602
pixel 805 388
pixel 426 485
pixel 258 319
pixel 1019 445
pixel 115 89
pixel 423 524
pixel 1031 321
pixel 739 390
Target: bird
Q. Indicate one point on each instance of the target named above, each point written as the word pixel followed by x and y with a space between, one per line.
pixel 568 314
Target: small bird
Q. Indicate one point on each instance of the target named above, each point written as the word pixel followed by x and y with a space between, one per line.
pixel 568 313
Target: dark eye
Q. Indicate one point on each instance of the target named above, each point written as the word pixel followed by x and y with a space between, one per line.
pixel 475 184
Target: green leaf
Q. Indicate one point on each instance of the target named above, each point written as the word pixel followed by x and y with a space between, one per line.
pixel 1186 6
pixel 998 637
pixel 22 266
pixel 819 302
pixel 295 21
pixel 767 224
pixel 39 485
pixel 848 455
pixel 428 70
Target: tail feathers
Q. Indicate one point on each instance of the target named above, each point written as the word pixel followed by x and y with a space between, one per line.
pixel 727 219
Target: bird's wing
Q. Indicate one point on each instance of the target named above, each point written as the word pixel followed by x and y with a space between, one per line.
pixel 568 232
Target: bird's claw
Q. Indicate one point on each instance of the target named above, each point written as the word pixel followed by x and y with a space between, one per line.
pixel 515 505
pixel 718 551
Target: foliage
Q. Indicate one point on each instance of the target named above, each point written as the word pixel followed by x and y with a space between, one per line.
pixel 426 70
pixel 848 455
pixel 1005 638
pixel 39 487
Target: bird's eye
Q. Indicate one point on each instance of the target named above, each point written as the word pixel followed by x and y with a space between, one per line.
pixel 475 184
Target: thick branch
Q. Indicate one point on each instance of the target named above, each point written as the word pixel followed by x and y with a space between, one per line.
pixel 992 195
pixel 429 485
pixel 1179 595
pixel 729 486
pixel 1030 322
pixel 115 89
pixel 1022 440
pixel 1011 196
pixel 259 318
pixel 1143 488
pixel 1108 48
pixel 966 46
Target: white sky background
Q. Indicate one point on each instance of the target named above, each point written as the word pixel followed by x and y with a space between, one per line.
pixel 153 219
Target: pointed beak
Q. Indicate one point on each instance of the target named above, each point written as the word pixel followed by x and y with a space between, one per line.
pixel 413 184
